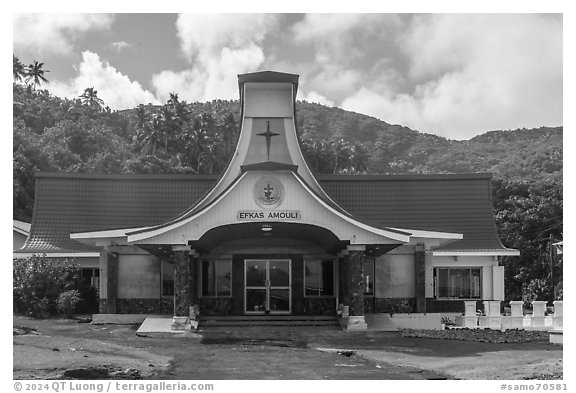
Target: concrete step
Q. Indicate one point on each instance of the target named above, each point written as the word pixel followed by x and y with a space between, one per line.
pixel 269 321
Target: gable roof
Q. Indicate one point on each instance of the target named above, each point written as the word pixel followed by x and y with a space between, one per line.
pixel 70 203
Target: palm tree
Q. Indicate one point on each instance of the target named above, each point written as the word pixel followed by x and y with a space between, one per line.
pixel 90 98
pixel 169 125
pixel 18 70
pixel 35 73
pixel 199 145
pixel 142 116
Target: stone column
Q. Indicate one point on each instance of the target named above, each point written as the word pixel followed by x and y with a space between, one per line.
pixel 558 315
pixel 343 278
pixel 193 282
pixel 420 268
pixel 355 261
pixel 111 282
pixel 517 314
pixel 492 318
pixel 539 314
pixel 470 319
pixel 181 287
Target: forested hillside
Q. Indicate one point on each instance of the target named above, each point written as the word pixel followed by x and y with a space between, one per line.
pixel 51 134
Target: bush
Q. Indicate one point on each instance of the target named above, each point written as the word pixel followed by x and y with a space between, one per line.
pixel 38 282
pixel 67 302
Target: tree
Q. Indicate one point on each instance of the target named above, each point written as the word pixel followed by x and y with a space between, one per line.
pixel 18 69
pixel 527 213
pixel 35 73
pixel 39 281
pixel 90 97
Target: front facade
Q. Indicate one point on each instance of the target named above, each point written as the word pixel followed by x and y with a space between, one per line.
pixel 270 238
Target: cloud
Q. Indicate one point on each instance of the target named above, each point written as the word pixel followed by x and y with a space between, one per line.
pixel 317 98
pixel 217 47
pixel 474 73
pixel 119 46
pixel 44 34
pixel 116 89
pixel 344 44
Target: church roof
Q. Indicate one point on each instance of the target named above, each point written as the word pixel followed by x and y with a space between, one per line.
pixel 71 203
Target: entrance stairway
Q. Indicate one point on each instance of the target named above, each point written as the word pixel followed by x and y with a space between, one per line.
pixel 268 322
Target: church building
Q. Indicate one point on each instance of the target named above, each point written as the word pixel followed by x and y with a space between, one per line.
pixel 271 238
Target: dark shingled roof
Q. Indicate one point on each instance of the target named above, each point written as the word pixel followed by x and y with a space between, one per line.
pixel 69 203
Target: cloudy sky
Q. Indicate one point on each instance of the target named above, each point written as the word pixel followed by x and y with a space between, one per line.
pixel 455 75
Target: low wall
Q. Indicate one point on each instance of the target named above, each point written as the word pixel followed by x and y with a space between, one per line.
pixel 417 321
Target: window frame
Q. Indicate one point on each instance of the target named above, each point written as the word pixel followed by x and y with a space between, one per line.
pixel 201 278
pixel 470 269
pixel 319 260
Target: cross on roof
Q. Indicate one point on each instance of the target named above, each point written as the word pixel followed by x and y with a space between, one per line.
pixel 268 134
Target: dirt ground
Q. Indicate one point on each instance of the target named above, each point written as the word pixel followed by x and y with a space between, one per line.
pixel 59 349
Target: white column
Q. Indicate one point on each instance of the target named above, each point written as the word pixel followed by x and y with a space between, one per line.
pixel 517 315
pixel 539 314
pixel 470 320
pixel 557 323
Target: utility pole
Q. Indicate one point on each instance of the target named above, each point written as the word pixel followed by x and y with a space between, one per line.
pixel 551 251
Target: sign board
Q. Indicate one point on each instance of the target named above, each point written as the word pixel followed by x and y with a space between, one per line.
pixel 262 215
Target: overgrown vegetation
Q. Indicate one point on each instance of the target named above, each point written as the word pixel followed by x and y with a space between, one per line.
pixel 52 134
pixel 43 286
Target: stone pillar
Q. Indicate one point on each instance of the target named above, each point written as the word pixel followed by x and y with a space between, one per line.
pixel 470 319
pixel 193 284
pixel 111 283
pixel 492 318
pixel 557 323
pixel 181 287
pixel 539 314
pixel 355 261
pixel 516 314
pixel 420 281
pixel 344 278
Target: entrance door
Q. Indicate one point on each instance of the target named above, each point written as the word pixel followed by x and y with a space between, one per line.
pixel 267 286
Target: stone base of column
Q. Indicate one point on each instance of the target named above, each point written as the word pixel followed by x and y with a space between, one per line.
pixel 354 323
pixel 181 323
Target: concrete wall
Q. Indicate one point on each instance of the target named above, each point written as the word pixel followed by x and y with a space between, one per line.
pixel 88 262
pixel 138 277
pixel 268 102
pixel 395 276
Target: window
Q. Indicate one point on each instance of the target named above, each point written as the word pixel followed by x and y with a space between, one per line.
pixel 453 283
pixel 318 278
pixel 167 277
pixel 217 278
pixel 368 276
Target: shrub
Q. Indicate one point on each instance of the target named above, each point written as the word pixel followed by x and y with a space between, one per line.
pixel 39 281
pixel 67 302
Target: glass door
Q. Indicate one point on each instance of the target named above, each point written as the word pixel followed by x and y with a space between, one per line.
pixel 267 286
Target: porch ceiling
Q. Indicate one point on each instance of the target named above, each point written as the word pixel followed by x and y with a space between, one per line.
pixel 275 230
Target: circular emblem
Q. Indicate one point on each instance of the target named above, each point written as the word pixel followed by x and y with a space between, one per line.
pixel 268 192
